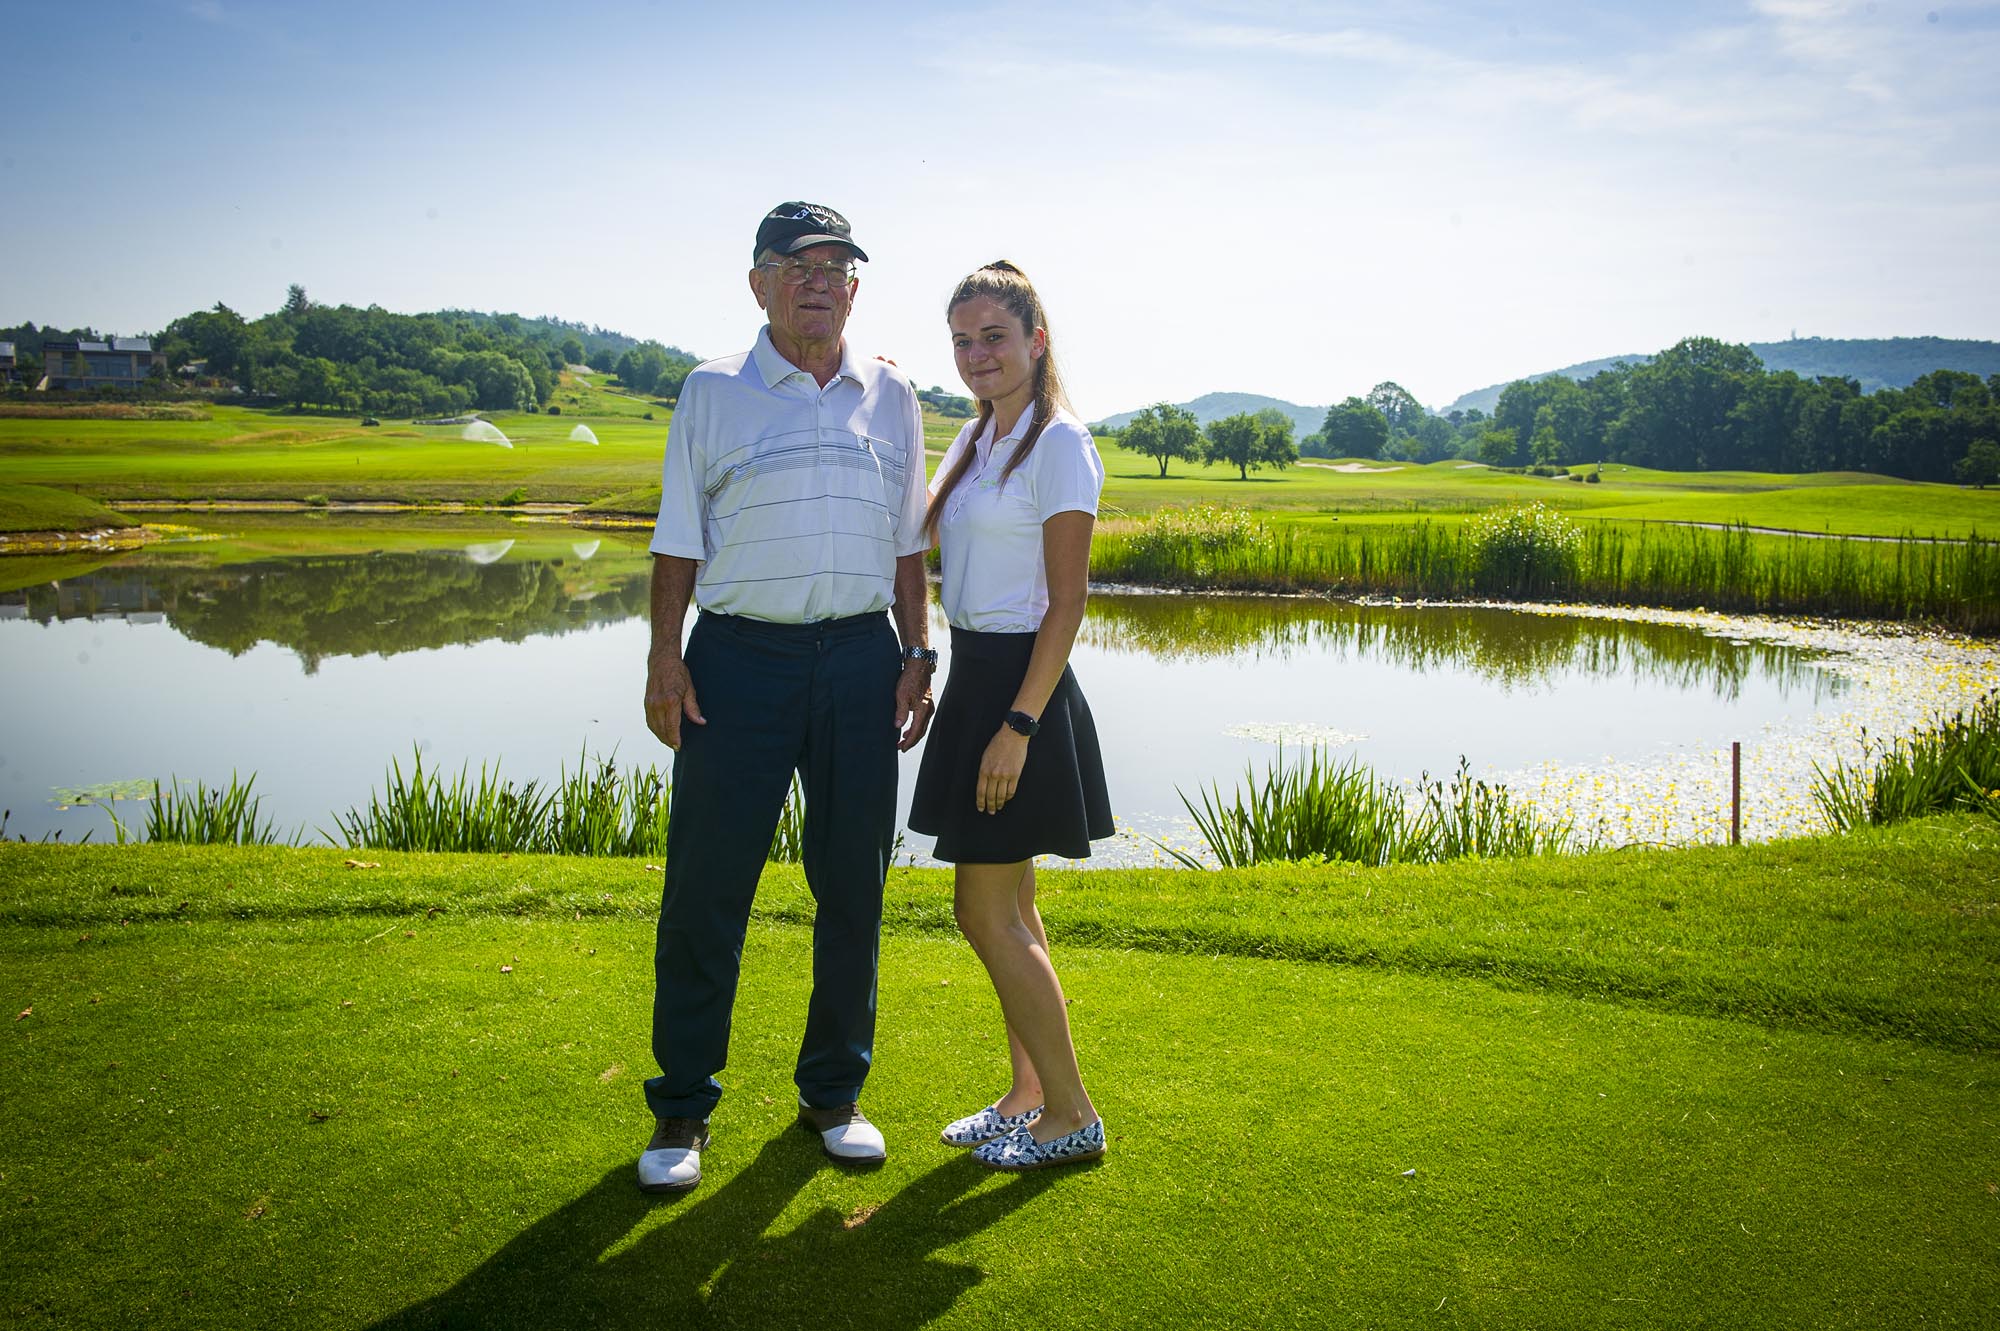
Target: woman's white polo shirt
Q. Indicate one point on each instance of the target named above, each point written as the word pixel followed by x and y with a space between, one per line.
pixel 990 534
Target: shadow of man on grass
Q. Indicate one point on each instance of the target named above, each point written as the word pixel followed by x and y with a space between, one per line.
pixel 713 1266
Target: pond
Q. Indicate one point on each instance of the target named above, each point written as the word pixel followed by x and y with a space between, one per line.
pixel 313 653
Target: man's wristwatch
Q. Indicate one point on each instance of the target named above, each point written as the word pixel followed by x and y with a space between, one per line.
pixel 1023 724
pixel 928 655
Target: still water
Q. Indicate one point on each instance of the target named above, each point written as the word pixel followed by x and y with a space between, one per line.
pixel 313 654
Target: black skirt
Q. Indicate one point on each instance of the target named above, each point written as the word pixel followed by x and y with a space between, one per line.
pixel 1061 804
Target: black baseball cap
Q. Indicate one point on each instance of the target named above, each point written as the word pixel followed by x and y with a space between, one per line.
pixel 791 227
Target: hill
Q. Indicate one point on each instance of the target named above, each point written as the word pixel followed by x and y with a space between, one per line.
pixel 1214 406
pixel 1875 362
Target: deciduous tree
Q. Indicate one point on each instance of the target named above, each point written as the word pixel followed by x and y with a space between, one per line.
pixel 1164 432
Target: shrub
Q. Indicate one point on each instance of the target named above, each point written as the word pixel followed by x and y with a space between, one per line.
pixel 517 495
pixel 1527 551
pixel 1193 541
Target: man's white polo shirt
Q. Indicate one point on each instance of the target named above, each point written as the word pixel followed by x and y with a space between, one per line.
pixel 796 499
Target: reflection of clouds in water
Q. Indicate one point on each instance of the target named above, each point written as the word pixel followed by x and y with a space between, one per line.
pixel 1898 682
pixel 1303 734
pixel 488 552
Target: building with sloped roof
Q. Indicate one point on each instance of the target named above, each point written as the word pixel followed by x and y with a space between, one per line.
pixel 119 362
pixel 10 366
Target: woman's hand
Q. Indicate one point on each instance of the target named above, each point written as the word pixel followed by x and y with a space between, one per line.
pixel 1000 770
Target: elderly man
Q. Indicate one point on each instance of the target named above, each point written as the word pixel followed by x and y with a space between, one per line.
pixel 792 512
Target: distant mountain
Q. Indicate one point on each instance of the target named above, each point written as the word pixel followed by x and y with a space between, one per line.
pixel 1214 406
pixel 1877 362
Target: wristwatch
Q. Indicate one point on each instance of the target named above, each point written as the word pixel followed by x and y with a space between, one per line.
pixel 928 655
pixel 1023 724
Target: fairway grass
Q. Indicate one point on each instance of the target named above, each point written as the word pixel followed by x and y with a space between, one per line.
pixel 1652 1090
pixel 36 508
pixel 254 455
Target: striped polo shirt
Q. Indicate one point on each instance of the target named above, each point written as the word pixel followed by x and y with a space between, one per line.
pixel 796 499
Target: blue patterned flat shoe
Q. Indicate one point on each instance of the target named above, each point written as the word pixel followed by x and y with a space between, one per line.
pixel 1019 1149
pixel 987 1124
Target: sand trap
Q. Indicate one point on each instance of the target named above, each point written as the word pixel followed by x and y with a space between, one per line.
pixel 1349 466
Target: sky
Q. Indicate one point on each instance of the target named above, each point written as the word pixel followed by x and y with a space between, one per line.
pixel 1300 200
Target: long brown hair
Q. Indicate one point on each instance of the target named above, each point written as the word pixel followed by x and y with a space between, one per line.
pixel 1006 285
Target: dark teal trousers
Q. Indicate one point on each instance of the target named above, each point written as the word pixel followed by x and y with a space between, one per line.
pixel 819 700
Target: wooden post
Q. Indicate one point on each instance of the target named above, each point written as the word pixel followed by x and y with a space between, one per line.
pixel 1735 792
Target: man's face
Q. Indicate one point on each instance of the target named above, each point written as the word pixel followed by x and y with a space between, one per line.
pixel 814 311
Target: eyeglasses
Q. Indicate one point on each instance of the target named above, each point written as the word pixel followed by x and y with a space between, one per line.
pixel 837 272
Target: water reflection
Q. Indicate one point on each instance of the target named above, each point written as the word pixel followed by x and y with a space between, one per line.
pixel 312 653
pixel 384 603
pixel 349 605
pixel 1508 648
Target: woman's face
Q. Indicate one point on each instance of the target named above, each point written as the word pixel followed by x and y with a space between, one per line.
pixel 996 355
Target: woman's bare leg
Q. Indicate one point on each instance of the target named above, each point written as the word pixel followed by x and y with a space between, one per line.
pixel 987 899
pixel 1026 1092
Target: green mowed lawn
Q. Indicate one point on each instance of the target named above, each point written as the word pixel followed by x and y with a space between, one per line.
pixel 265 1087
pixel 248 454
pixel 1871 507
pixel 38 508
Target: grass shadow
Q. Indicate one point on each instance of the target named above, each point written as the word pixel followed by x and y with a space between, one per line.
pixel 714 1265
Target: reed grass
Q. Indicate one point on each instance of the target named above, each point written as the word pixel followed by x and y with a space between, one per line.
pixel 597 810
pixel 423 812
pixel 225 816
pixel 1320 811
pixel 788 845
pixel 1953 765
pixel 602 811
pixel 1953 583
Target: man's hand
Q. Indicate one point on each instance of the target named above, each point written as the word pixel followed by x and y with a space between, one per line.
pixel 669 698
pixel 913 704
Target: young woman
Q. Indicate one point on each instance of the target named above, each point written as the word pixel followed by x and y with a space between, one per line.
pixel 1012 768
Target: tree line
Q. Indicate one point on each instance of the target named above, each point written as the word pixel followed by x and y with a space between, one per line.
pixel 344 359
pixel 1701 405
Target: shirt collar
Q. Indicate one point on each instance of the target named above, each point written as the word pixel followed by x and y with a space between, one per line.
pixel 986 441
pixel 774 369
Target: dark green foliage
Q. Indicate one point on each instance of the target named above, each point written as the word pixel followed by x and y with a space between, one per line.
pixel 1953 765
pixel 1164 432
pixel 1354 429
pixel 1248 442
pixel 342 359
pixel 652 368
